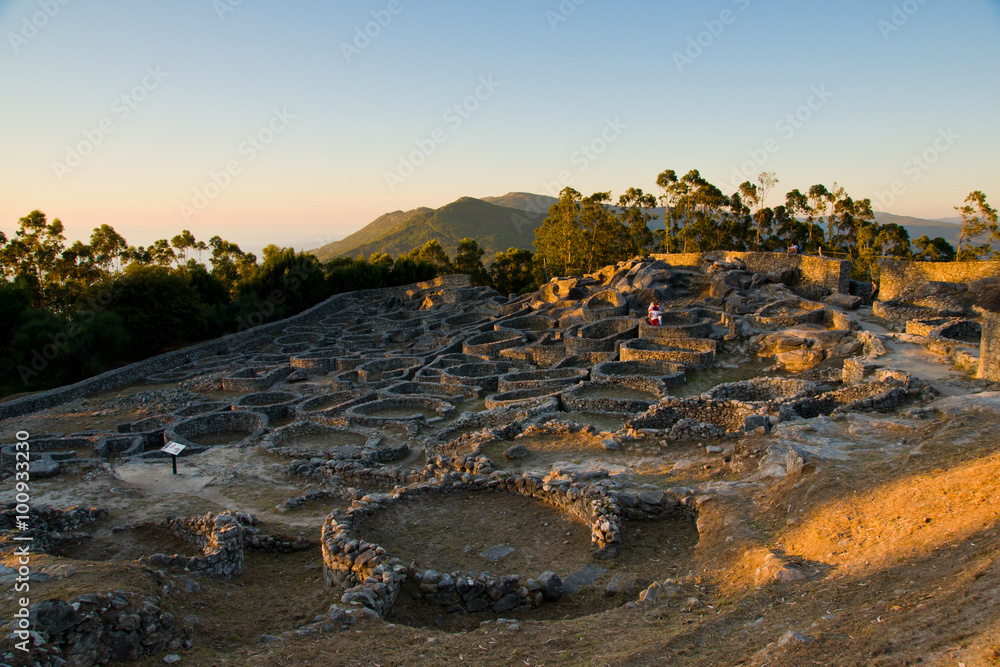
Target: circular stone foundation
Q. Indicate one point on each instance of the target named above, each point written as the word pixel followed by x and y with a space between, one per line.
pixel 332 405
pixel 398 409
pixel 274 404
pixel 237 427
pixel 307 440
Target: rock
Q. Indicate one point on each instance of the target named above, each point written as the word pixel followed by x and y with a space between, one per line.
pixel 789 574
pixel 610 444
pixel 551 586
pixel 171 659
pixel 794 462
pixel 270 639
pixel 683 464
pixel 498 552
pixel 52 616
pixel 43 467
pixel 621 583
pixel 693 603
pixel 297 376
pixel 651 594
pixel 799 360
pixel 753 422
pixel 811 292
pixel 506 603
pixel 516 452
pixel 793 637
pixel 790 277
pixel 845 301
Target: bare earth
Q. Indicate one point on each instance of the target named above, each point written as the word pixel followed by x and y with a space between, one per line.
pixel 892 526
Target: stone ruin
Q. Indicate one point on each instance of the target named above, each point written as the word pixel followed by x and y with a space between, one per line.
pixel 383 396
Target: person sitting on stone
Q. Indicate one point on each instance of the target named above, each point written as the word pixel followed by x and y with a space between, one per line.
pixel 654 314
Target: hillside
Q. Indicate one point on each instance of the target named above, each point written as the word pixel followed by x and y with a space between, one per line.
pixel 498 223
pixel 523 201
pixel 917 227
pixel 496 228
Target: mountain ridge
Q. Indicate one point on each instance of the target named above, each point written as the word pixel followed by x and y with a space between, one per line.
pixel 508 221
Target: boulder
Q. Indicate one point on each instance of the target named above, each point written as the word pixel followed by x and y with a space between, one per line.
pixel 516 452
pixel 844 301
pixel 812 292
pixel 551 586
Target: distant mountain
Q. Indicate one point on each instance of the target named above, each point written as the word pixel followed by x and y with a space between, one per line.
pixel 496 228
pixel 509 221
pixel 917 227
pixel 524 201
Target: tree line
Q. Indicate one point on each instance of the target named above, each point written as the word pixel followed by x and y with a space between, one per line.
pixel 73 311
pixel 582 234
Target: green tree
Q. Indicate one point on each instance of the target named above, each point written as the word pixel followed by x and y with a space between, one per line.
pixel 32 255
pixel 668 183
pixel 432 253
pixel 636 212
pixel 820 199
pixel 511 271
pixel 469 260
pixel 560 237
pixel 109 248
pixel 978 219
pixel 183 242
pixel 158 307
pixel 933 250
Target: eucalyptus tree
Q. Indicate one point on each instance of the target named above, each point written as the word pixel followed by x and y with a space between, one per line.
pixel 978 218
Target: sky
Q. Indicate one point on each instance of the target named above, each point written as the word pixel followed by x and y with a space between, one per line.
pixel 297 123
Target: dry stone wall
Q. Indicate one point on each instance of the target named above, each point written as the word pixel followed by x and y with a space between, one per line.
pixel 100 629
pixel 833 274
pixel 901 278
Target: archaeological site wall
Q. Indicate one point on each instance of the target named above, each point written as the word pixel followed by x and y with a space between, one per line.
pixel 900 278
pixel 127 375
pixel 989 351
pixel 833 274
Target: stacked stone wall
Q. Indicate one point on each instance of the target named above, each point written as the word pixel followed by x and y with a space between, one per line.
pixel 833 274
pixel 989 350
pixel 133 373
pixel 101 629
pixel 900 278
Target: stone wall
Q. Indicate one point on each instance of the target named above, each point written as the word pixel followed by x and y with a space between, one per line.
pixel 833 274
pixel 220 538
pixel 127 375
pixel 98 629
pixel 989 351
pixel 899 278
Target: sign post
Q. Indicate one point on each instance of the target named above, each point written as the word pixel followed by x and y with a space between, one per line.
pixel 173 448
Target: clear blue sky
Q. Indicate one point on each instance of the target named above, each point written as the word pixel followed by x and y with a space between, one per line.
pixel 887 80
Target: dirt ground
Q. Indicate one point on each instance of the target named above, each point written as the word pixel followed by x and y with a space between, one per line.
pixel 892 530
